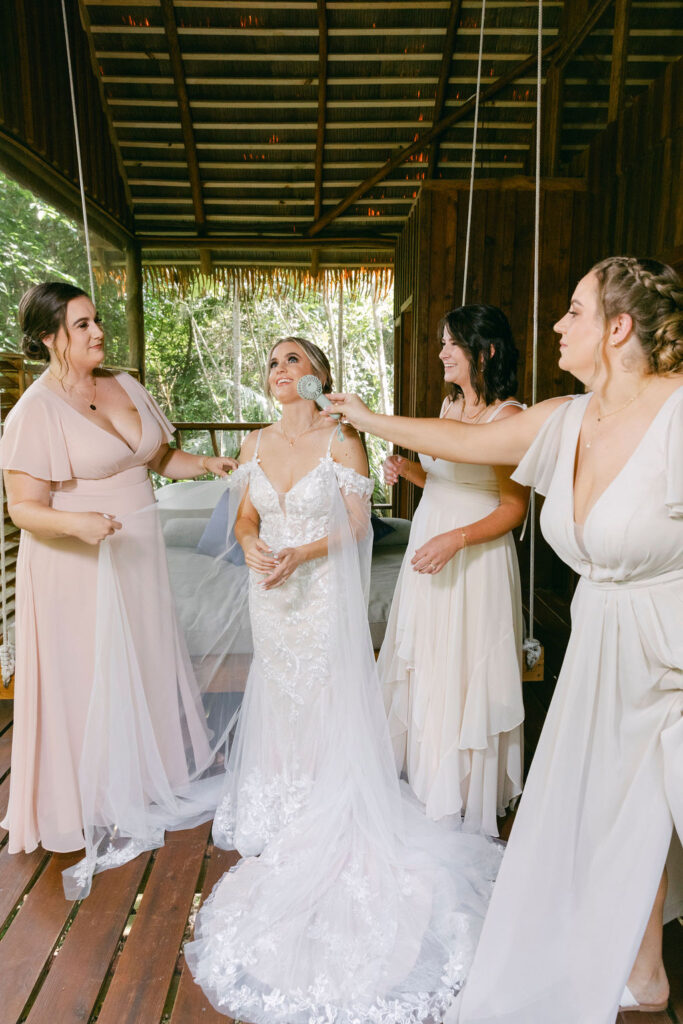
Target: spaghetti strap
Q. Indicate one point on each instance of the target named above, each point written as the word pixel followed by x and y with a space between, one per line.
pixel 329 443
pixel 508 401
pixel 255 457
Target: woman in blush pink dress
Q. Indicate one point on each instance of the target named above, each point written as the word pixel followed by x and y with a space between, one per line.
pixel 76 452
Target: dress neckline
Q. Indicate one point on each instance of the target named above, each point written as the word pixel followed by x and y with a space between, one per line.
pixel 111 433
pixel 626 464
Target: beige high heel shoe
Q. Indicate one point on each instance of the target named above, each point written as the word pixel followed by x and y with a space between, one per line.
pixel 630 1004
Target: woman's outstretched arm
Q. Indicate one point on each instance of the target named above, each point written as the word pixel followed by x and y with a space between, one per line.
pixel 503 442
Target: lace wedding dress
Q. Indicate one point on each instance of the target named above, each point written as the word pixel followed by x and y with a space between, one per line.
pixel 349 905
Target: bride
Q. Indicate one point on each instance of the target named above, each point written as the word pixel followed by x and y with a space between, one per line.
pixel 348 905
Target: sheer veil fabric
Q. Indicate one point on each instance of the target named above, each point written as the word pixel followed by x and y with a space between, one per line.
pixel 348 904
pixel 157 724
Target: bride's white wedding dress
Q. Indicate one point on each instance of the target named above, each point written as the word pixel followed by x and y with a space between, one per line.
pixel 349 905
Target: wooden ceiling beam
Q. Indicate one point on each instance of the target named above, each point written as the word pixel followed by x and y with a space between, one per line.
pixel 222 242
pixel 95 64
pixel 401 155
pixel 171 28
pixel 622 12
pixel 444 78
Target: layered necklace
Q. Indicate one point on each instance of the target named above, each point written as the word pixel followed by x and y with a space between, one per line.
pixel 620 408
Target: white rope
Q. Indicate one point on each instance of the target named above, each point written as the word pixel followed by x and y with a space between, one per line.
pixel 78 152
pixel 474 152
pixel 532 648
pixel 7 653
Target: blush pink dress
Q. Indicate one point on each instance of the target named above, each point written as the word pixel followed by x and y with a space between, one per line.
pixel 57 621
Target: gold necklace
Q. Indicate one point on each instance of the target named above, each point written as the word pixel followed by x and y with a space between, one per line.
pixel 604 415
pixel 71 388
pixel 291 440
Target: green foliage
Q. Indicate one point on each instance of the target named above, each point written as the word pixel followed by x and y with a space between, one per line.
pixel 41 244
pixel 190 351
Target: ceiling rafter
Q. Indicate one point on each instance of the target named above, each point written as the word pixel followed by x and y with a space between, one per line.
pixel 320 129
pixel 171 28
pixel 570 40
pixel 425 140
pixel 444 77
pixel 622 12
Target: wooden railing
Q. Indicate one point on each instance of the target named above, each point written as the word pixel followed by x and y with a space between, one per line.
pixel 213 429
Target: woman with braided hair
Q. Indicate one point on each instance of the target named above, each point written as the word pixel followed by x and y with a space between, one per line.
pixel 574 929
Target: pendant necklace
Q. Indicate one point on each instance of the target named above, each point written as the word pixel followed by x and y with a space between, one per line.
pixel 71 389
pixel 291 440
pixel 604 415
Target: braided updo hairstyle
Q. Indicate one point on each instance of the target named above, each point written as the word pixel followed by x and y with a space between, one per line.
pixel 42 311
pixel 652 294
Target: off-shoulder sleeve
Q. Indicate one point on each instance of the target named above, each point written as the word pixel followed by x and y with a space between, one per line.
pixel 144 397
pixel 352 482
pixel 538 465
pixel 674 460
pixel 33 440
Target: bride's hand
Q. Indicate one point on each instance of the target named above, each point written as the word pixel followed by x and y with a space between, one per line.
pixel 353 410
pixel 258 555
pixel 288 560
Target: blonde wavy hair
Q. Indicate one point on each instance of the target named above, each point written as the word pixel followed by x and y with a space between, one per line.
pixel 652 294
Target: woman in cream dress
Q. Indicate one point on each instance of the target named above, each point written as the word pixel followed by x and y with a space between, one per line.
pixel 450 664
pixel 76 452
pixel 574 929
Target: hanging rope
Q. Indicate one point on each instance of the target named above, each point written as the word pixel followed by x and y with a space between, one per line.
pixel 7 653
pixel 474 152
pixel 532 647
pixel 78 152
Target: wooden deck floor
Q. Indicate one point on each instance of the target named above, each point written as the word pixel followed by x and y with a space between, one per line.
pixel 116 957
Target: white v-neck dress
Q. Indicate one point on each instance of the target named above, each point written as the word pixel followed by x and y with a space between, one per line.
pixel 594 826
pixel 450 664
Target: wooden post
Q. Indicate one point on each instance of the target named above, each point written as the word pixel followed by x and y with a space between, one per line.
pixel 619 58
pixel 135 315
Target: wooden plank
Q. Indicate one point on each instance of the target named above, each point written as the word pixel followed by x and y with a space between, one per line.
pixel 69 993
pixel 17 871
pixel 144 971
pixel 6 714
pixel 171 29
pixel 5 750
pixel 442 84
pixel 4 801
pixel 29 941
pixel 622 12
pixel 191 1005
pixel 322 111
pixel 400 156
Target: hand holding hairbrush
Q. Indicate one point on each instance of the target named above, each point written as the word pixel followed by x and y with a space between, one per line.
pixel 309 387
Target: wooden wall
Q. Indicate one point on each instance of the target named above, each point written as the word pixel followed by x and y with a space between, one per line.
pixel 633 171
pixel 37 144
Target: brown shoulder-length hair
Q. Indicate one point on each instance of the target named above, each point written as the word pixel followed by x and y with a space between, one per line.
pixel 319 361
pixel 484 334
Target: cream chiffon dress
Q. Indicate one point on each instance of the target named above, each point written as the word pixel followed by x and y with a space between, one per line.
pixel 594 826
pixel 57 621
pixel 450 664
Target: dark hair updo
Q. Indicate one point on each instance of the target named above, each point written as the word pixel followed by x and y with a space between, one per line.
pixel 42 311
pixel 484 334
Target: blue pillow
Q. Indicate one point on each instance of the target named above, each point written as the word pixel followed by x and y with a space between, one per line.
pixel 214 540
pixel 380 528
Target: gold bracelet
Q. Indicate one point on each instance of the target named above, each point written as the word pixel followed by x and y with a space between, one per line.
pixel 464 538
